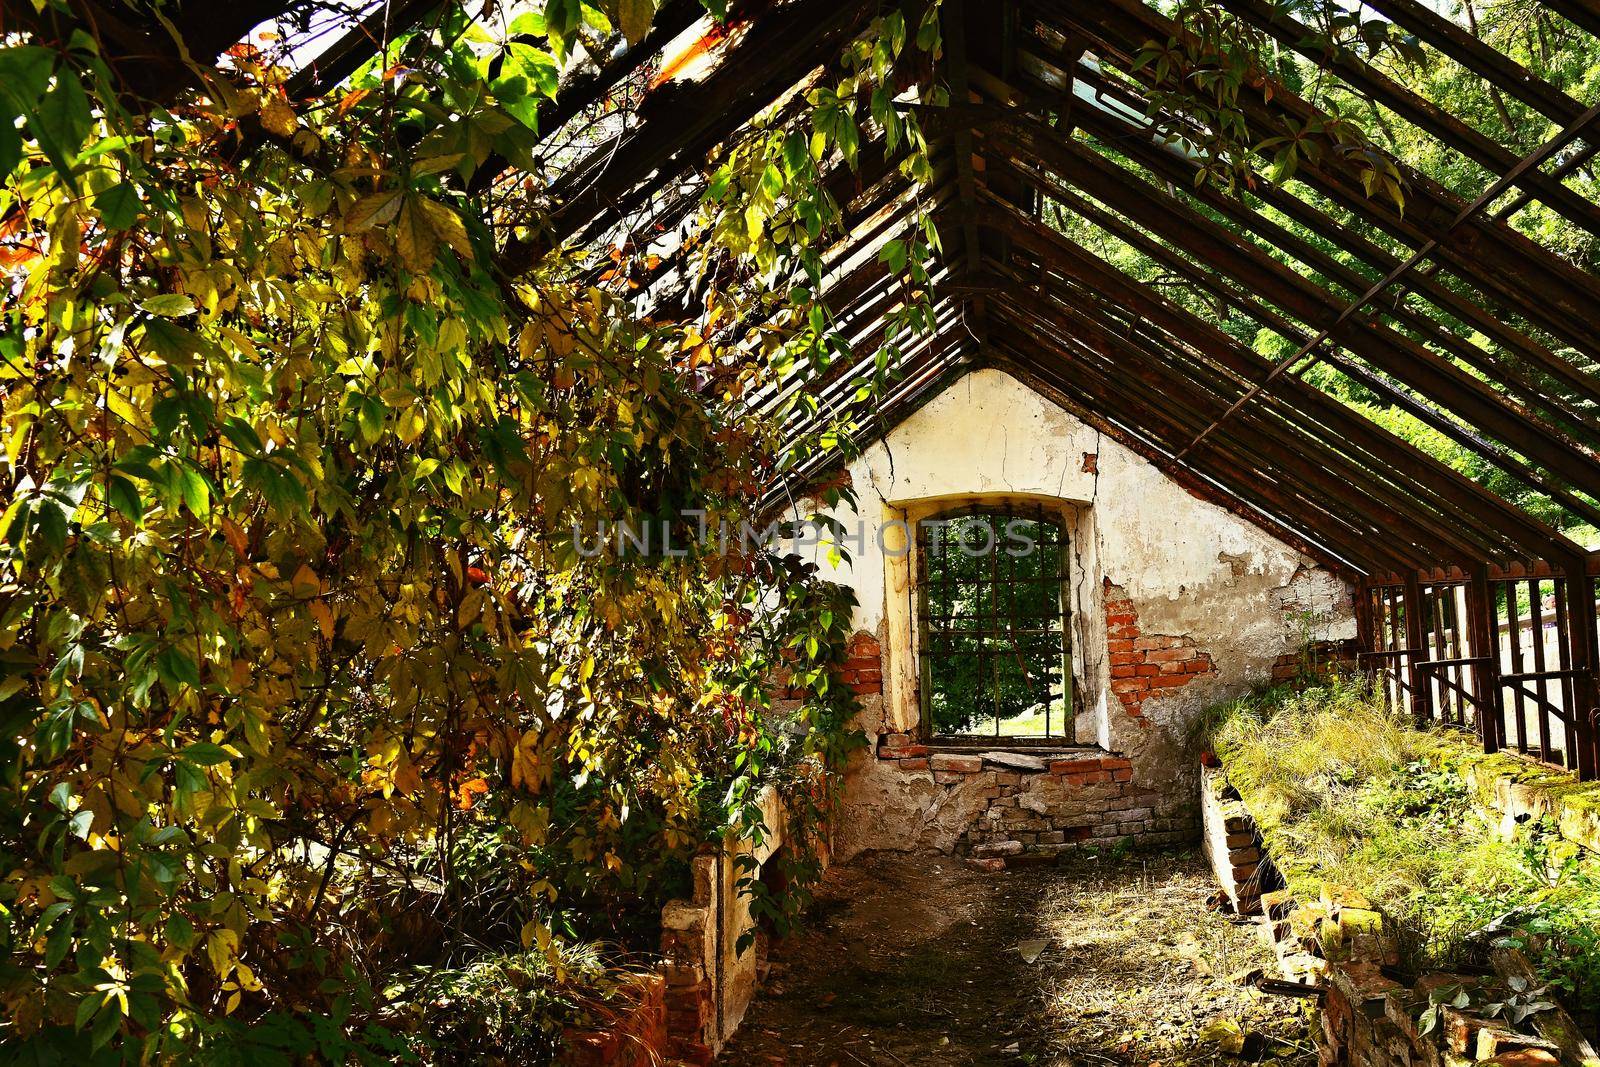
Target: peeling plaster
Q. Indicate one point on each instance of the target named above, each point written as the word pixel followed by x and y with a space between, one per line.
pixel 1190 567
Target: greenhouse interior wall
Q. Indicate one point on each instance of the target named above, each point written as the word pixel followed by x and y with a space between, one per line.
pixel 1176 604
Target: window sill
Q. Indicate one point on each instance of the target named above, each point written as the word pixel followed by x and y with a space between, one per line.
pixel 1030 746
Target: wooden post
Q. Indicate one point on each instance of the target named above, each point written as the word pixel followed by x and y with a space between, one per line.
pixel 1485 676
pixel 1580 637
pixel 1421 687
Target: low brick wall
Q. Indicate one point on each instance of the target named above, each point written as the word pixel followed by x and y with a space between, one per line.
pixel 709 981
pixel 1339 948
pixel 1520 789
pixel 1230 842
pixel 1021 807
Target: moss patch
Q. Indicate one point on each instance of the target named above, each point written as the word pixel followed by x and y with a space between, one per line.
pixel 1346 794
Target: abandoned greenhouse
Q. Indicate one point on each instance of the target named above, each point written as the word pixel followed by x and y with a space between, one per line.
pixel 649 532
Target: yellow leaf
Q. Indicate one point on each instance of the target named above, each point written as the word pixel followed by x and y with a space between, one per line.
pixel 448 225
pixel 634 17
pixel 277 117
pixel 236 538
pixel 324 616
pixel 222 949
pixel 375 210
pixel 471 608
pixel 305 583
pixel 414 237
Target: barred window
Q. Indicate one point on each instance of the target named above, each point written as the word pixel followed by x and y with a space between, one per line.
pixel 993 599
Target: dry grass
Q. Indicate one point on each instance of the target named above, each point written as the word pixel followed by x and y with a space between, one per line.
pixel 1143 969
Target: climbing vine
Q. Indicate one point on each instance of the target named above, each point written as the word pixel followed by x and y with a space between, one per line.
pixel 307 681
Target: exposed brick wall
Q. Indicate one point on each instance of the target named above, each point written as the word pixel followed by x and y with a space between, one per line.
pixel 690 1003
pixel 863 665
pixel 1318 658
pixel 1025 808
pixel 1145 665
pixel 862 670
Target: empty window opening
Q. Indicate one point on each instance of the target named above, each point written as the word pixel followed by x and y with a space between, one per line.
pixel 993 596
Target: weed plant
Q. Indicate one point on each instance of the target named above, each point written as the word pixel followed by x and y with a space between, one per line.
pixel 1348 793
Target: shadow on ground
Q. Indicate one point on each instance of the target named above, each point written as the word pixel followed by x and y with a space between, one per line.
pixel 920 960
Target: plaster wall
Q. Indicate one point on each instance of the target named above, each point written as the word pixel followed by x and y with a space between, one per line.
pixel 1152 565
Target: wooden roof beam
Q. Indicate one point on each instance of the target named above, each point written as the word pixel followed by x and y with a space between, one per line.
pixel 1419 111
pixel 1395 354
pixel 1382 509
pixel 1243 300
pixel 1563 298
pixel 1445 483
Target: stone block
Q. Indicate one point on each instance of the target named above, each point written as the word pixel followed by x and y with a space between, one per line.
pixel 1015 761
pixel 956 763
pixel 1034 803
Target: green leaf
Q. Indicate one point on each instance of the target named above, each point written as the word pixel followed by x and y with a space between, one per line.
pixel 24 76
pixel 118 205
pixel 124 496
pixel 196 493
pixel 205 754
pixel 63 121
pixel 370 413
pixel 175 665
pixel 180 931
pixel 10 148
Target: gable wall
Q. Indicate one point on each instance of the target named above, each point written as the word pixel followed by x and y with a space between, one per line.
pixel 1177 604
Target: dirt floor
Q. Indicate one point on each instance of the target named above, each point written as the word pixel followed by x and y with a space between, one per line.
pixel 1099 960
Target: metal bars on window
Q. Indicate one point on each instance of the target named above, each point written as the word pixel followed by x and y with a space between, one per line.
pixel 993 620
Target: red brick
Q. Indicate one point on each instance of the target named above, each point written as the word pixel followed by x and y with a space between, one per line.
pixel 1199 666
pixel 1119 659
pixel 863 663
pixel 1120 617
pixel 918 764
pixel 1116 763
pixel 1147 670
pixel 1167 681
pixel 957 763
pixel 1129 685
pixel 1168 655
pixel 1122 776
pixel 864 644
pixel 1126 670
pixel 1119 644
pixel 863 688
pixel 1073 766
pixel 1122 633
pixel 1153 641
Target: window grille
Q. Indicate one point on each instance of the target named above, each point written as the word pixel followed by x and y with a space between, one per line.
pixel 993 608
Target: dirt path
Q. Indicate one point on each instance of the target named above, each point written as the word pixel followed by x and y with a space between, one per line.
pixel 919 960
